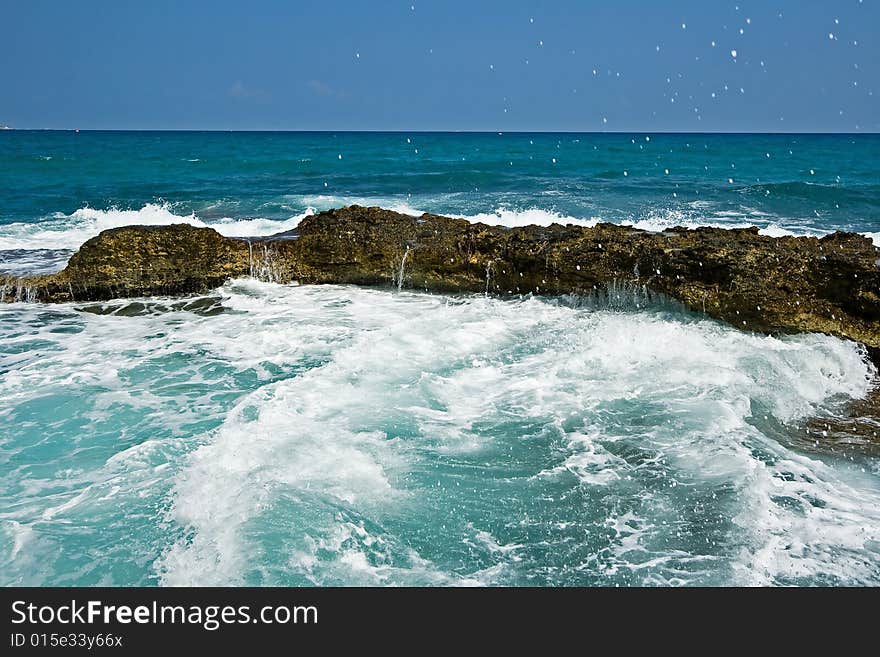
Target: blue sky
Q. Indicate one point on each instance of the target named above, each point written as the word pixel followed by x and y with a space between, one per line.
pixel 625 65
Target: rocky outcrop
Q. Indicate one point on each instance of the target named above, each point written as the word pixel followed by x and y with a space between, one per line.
pixel 138 261
pixel 787 284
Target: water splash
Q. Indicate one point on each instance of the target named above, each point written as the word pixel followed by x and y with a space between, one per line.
pixel 264 264
pixel 625 295
pixel 401 273
pixel 621 296
pixel 18 293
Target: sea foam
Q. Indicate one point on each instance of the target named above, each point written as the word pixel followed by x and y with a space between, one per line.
pixel 69 231
pixel 684 394
pixel 510 442
pixel 66 232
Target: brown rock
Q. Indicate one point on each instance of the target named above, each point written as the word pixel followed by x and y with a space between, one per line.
pixel 788 284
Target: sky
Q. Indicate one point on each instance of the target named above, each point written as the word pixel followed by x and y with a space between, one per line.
pixel 621 65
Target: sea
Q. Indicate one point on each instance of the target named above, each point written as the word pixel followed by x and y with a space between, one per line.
pixel 267 434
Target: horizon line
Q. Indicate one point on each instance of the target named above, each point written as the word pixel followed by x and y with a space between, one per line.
pixel 9 129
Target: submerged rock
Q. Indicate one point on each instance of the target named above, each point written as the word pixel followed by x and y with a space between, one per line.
pixel 755 282
pixel 855 428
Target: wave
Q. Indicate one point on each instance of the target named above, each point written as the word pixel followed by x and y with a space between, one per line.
pixel 316 443
pixel 500 216
pixel 513 442
pixel 658 221
pixel 655 221
pixel 694 214
pixel 321 202
pixel 874 237
pixel 18 262
pixel 69 231
pixel 503 216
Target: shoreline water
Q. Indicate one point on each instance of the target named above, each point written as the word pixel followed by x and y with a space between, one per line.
pixel 631 431
pixel 274 434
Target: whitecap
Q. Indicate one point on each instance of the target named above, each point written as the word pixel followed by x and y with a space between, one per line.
pixel 70 231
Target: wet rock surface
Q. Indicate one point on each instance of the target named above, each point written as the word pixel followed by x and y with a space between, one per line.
pixel 137 261
pixel 755 282
pixel 855 429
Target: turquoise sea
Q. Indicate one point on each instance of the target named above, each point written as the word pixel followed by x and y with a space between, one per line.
pixel 330 435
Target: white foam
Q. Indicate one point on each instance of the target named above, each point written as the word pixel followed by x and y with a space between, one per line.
pixel 321 202
pixel 69 231
pixel 37 261
pixel 358 391
pixel 504 216
pixel 313 428
pixel 325 433
pixel 874 237
pixel 362 558
pixel 501 216
pixel 694 215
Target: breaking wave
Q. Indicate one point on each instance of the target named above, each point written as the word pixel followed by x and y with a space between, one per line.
pixel 69 231
pixel 512 442
pixel 60 234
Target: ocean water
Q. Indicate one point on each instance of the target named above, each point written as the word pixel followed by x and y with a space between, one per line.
pixel 330 435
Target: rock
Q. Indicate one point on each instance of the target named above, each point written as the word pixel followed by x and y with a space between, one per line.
pixel 136 261
pixel 855 428
pixel 755 282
